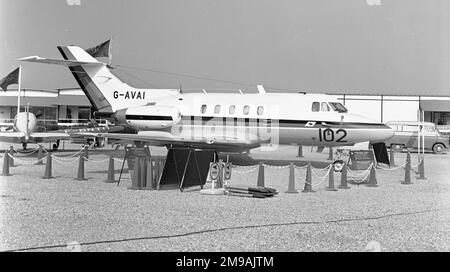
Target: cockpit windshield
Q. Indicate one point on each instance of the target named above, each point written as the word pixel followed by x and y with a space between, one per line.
pixel 338 107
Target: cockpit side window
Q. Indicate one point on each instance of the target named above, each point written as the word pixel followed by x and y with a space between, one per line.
pixel 315 106
pixel 336 106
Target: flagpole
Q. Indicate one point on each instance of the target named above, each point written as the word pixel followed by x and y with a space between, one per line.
pixel 19 89
pixel 109 50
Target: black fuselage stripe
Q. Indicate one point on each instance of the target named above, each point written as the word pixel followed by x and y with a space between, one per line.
pixel 280 122
pixel 148 117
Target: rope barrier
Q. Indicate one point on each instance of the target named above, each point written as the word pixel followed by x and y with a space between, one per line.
pixel 95 161
pixel 356 177
pixel 71 156
pixel 414 166
pixel 392 169
pixel 275 166
pixel 245 172
pixel 65 158
pixel 27 153
pixel 322 179
pixel 25 162
pixel 117 159
pixel 64 162
pixel 317 175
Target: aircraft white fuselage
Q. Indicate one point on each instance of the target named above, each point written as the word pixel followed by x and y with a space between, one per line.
pixel 283 118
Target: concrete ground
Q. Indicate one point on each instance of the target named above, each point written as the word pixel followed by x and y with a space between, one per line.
pixel 64 214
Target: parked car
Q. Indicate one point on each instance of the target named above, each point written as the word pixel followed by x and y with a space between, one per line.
pixel 406 135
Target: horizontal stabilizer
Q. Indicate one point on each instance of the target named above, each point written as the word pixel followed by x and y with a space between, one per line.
pixel 68 63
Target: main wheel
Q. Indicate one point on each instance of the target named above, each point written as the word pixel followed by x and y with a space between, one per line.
pixel 397 147
pixel 338 165
pixel 438 148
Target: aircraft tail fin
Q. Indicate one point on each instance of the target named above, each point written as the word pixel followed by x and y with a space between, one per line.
pixel 94 77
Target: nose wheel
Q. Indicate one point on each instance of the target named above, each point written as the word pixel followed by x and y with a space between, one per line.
pixel 338 163
pixel 24 146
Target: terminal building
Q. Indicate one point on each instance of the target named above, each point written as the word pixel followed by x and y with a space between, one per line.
pixel 70 106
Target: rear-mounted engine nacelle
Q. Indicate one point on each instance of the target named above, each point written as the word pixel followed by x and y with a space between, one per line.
pixel 149 117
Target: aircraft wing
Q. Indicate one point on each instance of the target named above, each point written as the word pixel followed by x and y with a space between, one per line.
pixel 12 136
pixel 48 136
pixel 68 63
pixel 218 142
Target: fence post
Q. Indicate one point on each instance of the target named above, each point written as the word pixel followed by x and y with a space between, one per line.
pixel 308 181
pixel 300 151
pixel 5 172
pixel 291 187
pixel 330 154
pixel 407 179
pixel 86 151
pixel 80 174
pixel 260 182
pixel 111 169
pixel 331 179
pixel 392 156
pixel 422 169
pixel 40 156
pixel 48 167
pixel 344 184
pixel 11 159
pixel 372 177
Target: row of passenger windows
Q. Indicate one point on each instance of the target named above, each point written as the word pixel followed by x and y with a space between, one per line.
pixel 232 109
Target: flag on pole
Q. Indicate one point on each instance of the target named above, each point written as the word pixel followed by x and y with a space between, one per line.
pixel 11 78
pixel 101 50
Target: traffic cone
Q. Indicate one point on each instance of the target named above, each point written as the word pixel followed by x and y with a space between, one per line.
pixel 300 151
pixel 344 184
pixel 407 179
pixel 291 187
pixel 40 156
pixel 330 154
pixel 391 156
pixel 422 169
pixel 48 167
pixel 372 177
pixel 80 174
pixel 308 181
pixel 331 179
pixel 111 170
pixel 11 159
pixel 5 172
pixel 260 175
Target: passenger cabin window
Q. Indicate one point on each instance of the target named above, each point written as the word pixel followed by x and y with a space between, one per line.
pixel 246 109
pixel 260 110
pixel 217 109
pixel 315 106
pixel 203 109
pixel 232 109
pixel 325 107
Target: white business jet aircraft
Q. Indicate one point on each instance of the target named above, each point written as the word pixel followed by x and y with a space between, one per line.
pixel 231 122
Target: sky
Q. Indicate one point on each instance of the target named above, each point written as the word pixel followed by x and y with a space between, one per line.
pixel 346 46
